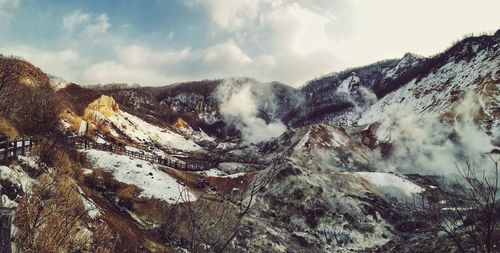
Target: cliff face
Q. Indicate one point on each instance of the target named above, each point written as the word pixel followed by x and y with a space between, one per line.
pixel 105 105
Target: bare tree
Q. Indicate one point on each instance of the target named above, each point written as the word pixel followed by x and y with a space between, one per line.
pixel 210 223
pixel 467 212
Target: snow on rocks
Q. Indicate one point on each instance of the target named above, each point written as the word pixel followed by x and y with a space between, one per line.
pixel 141 131
pixel 434 93
pixel 92 210
pixel 16 175
pixel 153 182
pixel 236 175
pixel 211 173
pixel 390 184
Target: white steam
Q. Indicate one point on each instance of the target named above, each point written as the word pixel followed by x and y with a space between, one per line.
pixel 240 105
pixel 427 144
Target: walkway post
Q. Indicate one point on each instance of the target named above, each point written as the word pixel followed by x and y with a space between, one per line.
pixel 23 149
pixel 15 149
pixel 6 151
pixel 5 227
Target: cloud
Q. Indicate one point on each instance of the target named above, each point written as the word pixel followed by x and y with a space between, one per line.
pixel 281 36
pixel 141 64
pixel 269 40
pixel 74 19
pixel 99 26
pixel 86 23
pixel 6 8
pixel 65 61
pixel 291 41
pixel 389 28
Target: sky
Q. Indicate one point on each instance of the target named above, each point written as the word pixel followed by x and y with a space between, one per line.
pixel 159 42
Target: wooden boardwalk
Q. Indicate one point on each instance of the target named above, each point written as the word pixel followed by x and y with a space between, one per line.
pixel 13 149
pixel 121 150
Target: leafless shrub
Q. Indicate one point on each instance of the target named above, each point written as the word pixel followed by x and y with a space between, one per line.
pixel 210 223
pixel 467 212
pixel 52 218
pixel 38 113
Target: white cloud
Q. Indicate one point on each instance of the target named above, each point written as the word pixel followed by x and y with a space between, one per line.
pixel 291 41
pixel 144 65
pixel 86 23
pixel 232 14
pixel 112 71
pixel 280 36
pixel 6 8
pixel 99 26
pixel 343 33
pixel 389 28
pixel 74 19
pixel 60 62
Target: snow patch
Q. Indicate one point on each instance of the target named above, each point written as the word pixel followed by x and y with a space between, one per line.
pixel 153 182
pixel 390 184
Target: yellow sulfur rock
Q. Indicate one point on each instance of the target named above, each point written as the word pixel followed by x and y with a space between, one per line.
pixel 105 105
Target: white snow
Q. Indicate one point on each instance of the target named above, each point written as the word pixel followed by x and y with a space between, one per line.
pixel 338 138
pixel 390 184
pixel 133 149
pixel 347 83
pixel 433 93
pixel 236 175
pixel 153 182
pixel 303 141
pixel 91 208
pixel 100 140
pixel 17 176
pixel 142 131
pixel 211 173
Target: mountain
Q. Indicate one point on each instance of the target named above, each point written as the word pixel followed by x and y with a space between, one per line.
pixel 328 167
pixel 198 103
pixel 345 98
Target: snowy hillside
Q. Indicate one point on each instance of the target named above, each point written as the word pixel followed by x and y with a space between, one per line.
pixel 152 182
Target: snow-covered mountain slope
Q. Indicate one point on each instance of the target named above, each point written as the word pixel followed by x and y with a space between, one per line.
pixel 438 91
pixel 104 116
pixel 355 96
pixel 425 85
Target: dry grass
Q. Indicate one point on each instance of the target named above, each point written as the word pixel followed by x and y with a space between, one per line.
pixel 225 185
pixel 52 218
pixel 8 129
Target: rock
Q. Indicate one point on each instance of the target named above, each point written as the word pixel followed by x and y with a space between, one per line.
pixel 305 239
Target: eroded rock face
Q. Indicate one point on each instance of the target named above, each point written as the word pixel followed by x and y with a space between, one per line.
pixel 104 105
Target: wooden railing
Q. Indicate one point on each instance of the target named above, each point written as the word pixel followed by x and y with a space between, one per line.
pixel 85 143
pixel 12 149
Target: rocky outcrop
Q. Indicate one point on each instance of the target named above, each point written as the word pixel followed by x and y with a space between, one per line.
pixel 104 105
